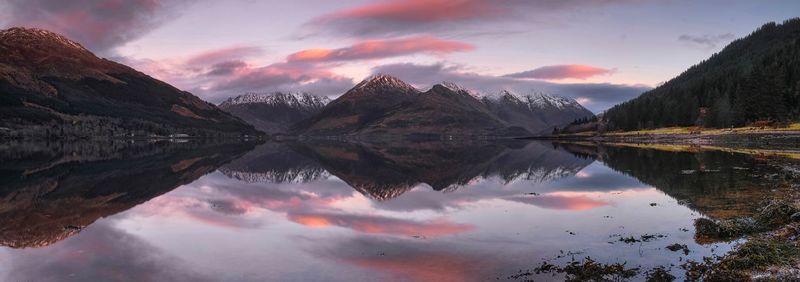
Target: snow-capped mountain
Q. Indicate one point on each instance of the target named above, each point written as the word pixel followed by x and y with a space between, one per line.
pixel 274 112
pixel 535 100
pixel 380 82
pixel 541 100
pixel 385 105
pixel 298 100
pixel 537 112
pixel 457 88
pixel 301 175
pixel 32 35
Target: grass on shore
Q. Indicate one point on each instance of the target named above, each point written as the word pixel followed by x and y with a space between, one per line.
pixel 794 127
pixel 709 131
pixel 697 148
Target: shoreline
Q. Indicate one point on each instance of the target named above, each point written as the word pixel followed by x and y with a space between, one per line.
pixel 750 139
pixel 770 247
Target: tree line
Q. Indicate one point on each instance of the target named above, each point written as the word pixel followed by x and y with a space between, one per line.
pixel 753 80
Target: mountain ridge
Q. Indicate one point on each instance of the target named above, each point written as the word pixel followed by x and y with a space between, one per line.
pixel 54 87
pixel 274 112
pixel 385 105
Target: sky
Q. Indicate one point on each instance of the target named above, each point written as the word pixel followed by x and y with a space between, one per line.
pixel 599 52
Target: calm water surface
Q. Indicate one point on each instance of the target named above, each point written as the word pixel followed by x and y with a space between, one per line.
pixel 397 211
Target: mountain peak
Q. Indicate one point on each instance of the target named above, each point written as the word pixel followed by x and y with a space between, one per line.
pixel 33 52
pixel 458 88
pixel 383 81
pixel 453 86
pixel 507 94
pixel 502 95
pixel 37 37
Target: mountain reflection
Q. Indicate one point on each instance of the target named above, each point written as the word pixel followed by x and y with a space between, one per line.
pixel 275 163
pixel 52 191
pixel 385 171
pixel 357 211
pixel 715 183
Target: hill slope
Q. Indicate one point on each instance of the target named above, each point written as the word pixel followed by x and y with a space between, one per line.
pixel 360 106
pixel 51 86
pixel 753 78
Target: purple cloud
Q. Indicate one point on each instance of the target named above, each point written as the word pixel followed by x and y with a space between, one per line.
pixel 226 68
pixel 224 54
pixel 101 253
pixel 709 41
pixel 404 17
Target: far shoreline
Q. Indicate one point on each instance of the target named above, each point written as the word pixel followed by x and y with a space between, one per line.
pixel 747 137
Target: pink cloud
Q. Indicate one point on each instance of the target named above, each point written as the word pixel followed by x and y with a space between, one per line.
pixel 217 74
pixel 224 54
pixel 376 49
pixel 418 11
pixel 380 225
pixel 278 75
pixel 424 266
pixel 557 72
pixel 561 201
pixel 406 17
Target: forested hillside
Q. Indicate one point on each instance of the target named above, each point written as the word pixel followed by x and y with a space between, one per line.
pixel 756 78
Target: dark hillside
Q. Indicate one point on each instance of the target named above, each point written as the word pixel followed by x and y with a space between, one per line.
pixel 756 78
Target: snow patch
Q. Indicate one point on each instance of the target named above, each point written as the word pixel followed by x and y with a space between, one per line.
pixel 37 34
pixel 535 100
pixel 383 81
pixel 298 100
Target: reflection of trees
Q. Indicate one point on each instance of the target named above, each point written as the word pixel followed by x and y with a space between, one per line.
pixel 715 183
pixel 52 191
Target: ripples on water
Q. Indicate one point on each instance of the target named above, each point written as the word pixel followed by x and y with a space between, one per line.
pixel 429 211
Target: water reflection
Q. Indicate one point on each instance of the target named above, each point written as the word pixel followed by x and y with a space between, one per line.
pixel 385 171
pixel 53 191
pixel 432 211
pixel 714 183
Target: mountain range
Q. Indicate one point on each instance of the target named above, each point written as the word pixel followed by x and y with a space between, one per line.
pixel 383 105
pixel 52 192
pixel 51 86
pixel 275 112
pixel 538 112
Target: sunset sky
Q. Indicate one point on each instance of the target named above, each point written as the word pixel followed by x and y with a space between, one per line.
pixel 599 52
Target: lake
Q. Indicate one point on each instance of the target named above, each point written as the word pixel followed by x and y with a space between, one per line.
pixel 336 211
